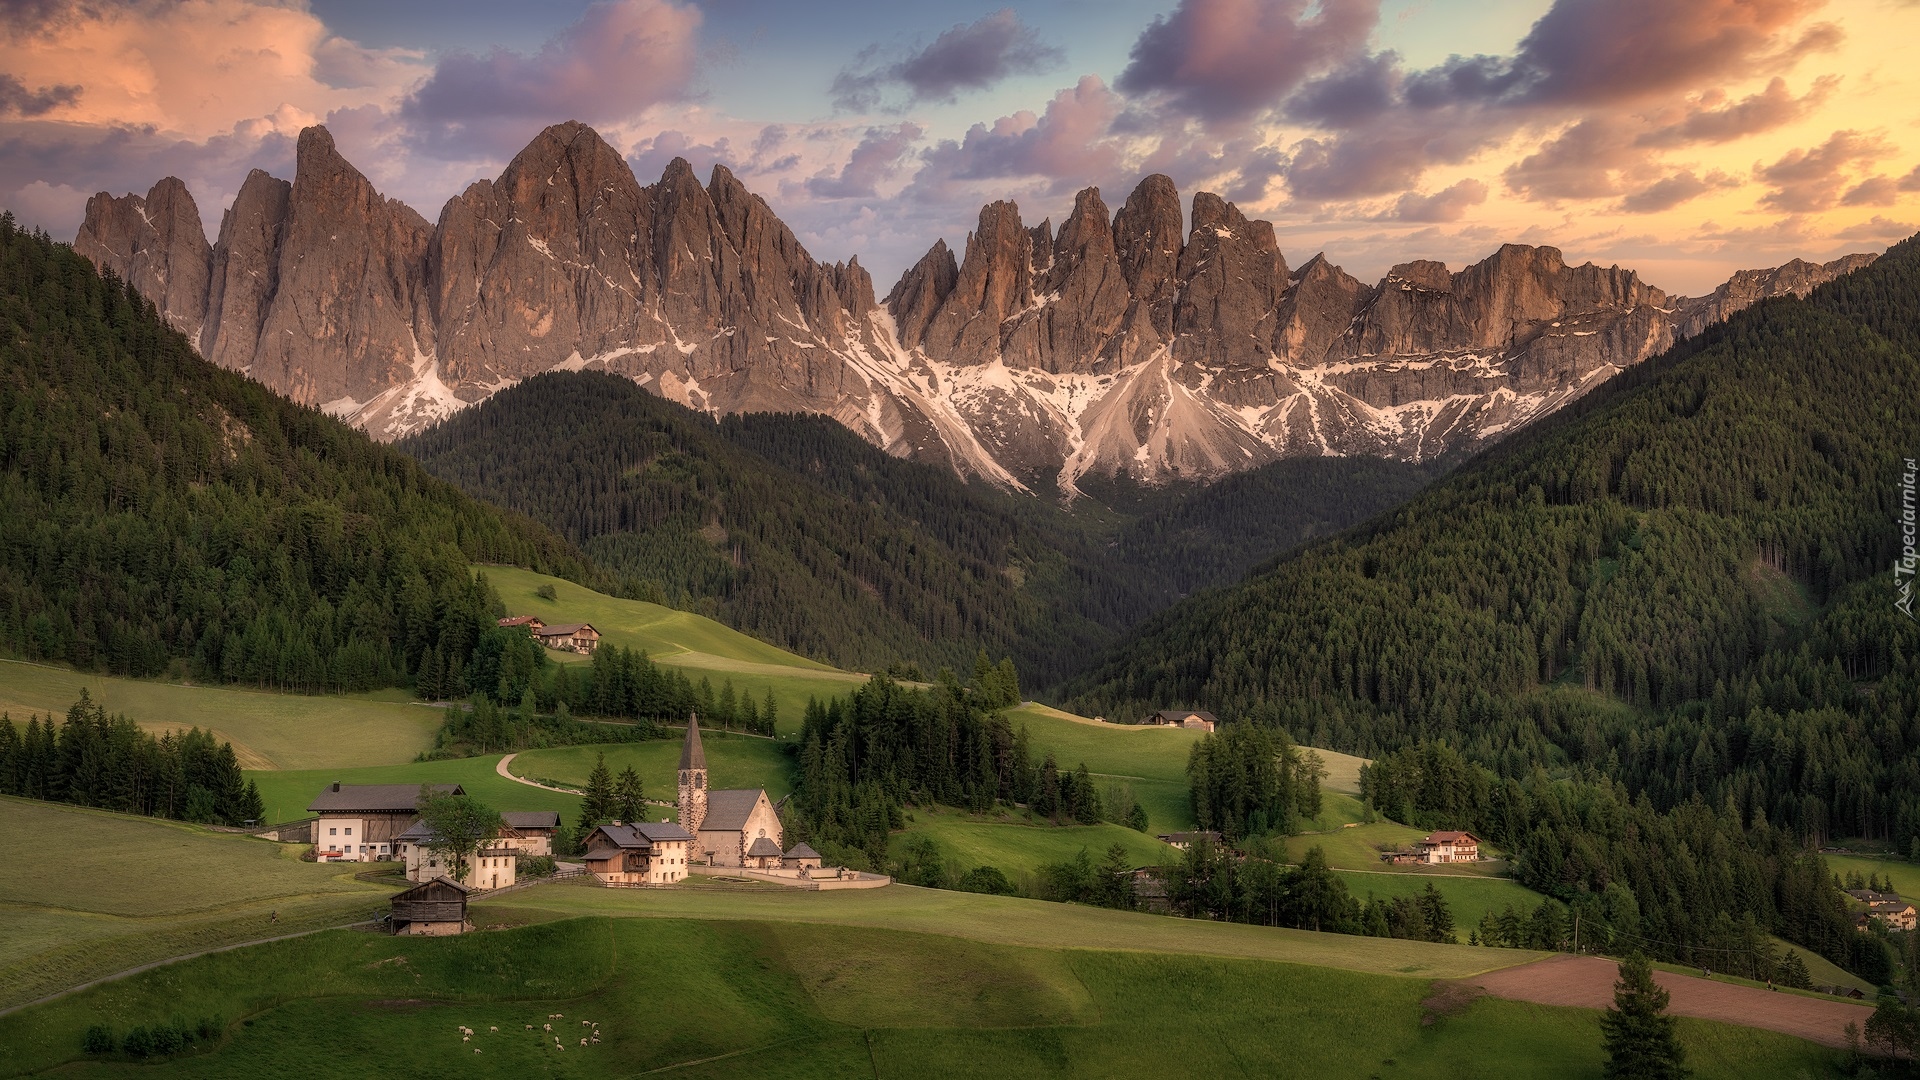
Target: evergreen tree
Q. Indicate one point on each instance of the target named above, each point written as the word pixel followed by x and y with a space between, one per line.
pixel 629 800
pixel 597 802
pixel 1639 1036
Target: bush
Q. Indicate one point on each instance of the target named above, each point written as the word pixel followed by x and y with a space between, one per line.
pixel 534 866
pixel 137 1044
pixel 985 879
pixel 97 1040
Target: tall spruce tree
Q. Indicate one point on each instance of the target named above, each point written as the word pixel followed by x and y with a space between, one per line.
pixel 597 803
pixel 629 799
pixel 1638 1034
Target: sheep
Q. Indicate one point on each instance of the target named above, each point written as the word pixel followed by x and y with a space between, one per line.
pixel 549 1027
pixel 493 1029
pixel 583 1042
pixel 529 1027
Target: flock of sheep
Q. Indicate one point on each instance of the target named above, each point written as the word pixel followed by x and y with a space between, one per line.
pixel 593 1032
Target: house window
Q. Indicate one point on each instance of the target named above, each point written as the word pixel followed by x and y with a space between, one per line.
pixel 333 832
pixel 349 832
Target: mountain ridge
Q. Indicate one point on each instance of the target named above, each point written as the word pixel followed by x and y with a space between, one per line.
pixel 1037 358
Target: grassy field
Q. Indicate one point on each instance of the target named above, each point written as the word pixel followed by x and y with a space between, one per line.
pixel 1358 848
pixel 787 999
pixel 1018 848
pixel 1468 898
pixel 733 761
pixel 1905 875
pixel 288 793
pixel 89 893
pixel 268 731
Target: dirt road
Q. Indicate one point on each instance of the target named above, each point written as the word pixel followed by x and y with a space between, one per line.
pixel 1587 981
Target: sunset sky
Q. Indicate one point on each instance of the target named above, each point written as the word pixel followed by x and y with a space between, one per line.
pixel 1684 138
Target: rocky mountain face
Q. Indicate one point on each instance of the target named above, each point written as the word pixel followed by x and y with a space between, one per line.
pixel 1166 343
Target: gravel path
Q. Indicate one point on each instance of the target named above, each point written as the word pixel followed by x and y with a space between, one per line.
pixel 1587 982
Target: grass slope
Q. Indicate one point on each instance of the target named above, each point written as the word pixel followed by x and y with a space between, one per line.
pixel 796 1000
pixel 733 761
pixel 288 793
pixel 88 893
pixel 1019 848
pixel 268 731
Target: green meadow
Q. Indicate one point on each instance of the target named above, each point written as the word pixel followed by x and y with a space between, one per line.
pixel 88 893
pixel 1467 898
pixel 1019 847
pixel 268 731
pixel 733 761
pixel 1904 875
pixel 775 998
pixel 287 793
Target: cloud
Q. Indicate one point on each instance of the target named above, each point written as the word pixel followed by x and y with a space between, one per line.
pixel 1447 205
pixel 1670 191
pixel 1712 122
pixel 651 156
pixel 1576 164
pixel 615 61
pixel 1877 230
pixel 1911 181
pixel 971 56
pixel 877 158
pixel 1229 60
pixel 1873 191
pixel 1812 179
pixel 17 100
pixel 1071 142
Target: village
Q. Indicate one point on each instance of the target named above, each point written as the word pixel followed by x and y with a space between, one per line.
pixel 719 831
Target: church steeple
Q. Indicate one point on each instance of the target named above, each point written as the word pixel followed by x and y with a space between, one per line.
pixel 693 780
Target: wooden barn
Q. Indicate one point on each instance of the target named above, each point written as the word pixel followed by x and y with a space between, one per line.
pixel 570 637
pixel 432 908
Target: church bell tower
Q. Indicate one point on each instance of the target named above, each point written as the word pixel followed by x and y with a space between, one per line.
pixel 693 781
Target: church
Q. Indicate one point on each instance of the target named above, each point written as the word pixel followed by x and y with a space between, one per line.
pixel 736 827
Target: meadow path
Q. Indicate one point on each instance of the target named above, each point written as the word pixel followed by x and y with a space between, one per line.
pixel 501 768
pixel 1587 982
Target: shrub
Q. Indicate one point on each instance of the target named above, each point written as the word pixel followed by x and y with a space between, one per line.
pixel 137 1044
pixel 985 879
pixel 546 592
pixel 167 1039
pixel 97 1040
pixel 534 866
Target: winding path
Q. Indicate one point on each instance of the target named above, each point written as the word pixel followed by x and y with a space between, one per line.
pixel 501 768
pixel 1587 982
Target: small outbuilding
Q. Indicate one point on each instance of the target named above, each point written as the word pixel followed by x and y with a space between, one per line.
pixel 801 857
pixel 763 854
pixel 1192 719
pixel 434 908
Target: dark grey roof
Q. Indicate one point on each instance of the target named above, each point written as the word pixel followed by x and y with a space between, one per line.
pixel 564 629
pixel 692 755
pixel 532 819
pixel 1177 715
pixel 662 831
pixel 802 851
pixel 763 848
pixel 427 887
pixel 727 811
pixel 602 854
pixel 417 832
pixel 625 836
pixel 376 798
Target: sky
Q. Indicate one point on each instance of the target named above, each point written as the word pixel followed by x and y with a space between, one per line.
pixel 1684 138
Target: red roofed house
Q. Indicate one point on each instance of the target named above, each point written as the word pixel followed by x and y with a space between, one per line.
pixel 1448 847
pixel 531 622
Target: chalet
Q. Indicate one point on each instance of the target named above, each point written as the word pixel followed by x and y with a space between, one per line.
pixel 1447 847
pixel 532 623
pixel 644 853
pixel 363 822
pixel 1192 719
pixel 1185 840
pixel 531 831
pixel 726 824
pixel 569 637
pixel 434 908
pixel 492 866
pixel 1893 912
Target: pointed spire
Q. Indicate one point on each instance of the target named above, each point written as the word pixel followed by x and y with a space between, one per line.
pixel 691 754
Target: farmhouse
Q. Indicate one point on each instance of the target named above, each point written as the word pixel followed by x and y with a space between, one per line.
pixel 1447 847
pixel 1193 719
pixel 1185 840
pixel 492 866
pixel 568 637
pixel 531 831
pixel 433 908
pixel 644 853
pixel 1893 912
pixel 727 824
pixel 363 822
pixel 532 623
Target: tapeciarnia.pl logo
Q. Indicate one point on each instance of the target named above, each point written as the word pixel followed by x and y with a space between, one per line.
pixel 1903 567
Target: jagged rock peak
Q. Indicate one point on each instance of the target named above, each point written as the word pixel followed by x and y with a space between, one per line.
pixel 156 243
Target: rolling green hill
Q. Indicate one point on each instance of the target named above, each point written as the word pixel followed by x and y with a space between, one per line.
pixel 160 514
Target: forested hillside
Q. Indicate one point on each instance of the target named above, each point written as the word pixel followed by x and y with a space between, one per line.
pixel 795 530
pixel 158 512
pixel 1682 583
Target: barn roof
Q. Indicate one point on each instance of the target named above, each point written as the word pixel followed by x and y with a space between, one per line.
pixel 426 890
pixel 567 629
pixel 1177 715
pixel 728 811
pixel 377 798
pixel 532 819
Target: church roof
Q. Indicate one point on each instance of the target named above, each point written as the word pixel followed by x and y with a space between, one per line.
pixel 691 754
pixel 727 811
pixel 763 848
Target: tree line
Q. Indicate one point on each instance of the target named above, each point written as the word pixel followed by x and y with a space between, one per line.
pixel 89 758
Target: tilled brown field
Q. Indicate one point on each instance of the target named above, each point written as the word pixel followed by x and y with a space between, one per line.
pixel 1587 982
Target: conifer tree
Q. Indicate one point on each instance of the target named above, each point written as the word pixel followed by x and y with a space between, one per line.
pixel 629 800
pixel 597 802
pixel 1638 1035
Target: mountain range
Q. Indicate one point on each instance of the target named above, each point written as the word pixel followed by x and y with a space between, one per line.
pixel 1153 341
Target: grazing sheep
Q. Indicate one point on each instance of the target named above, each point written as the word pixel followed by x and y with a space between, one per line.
pixel 583 1042
pixel 549 1027
pixel 529 1027
pixel 493 1029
